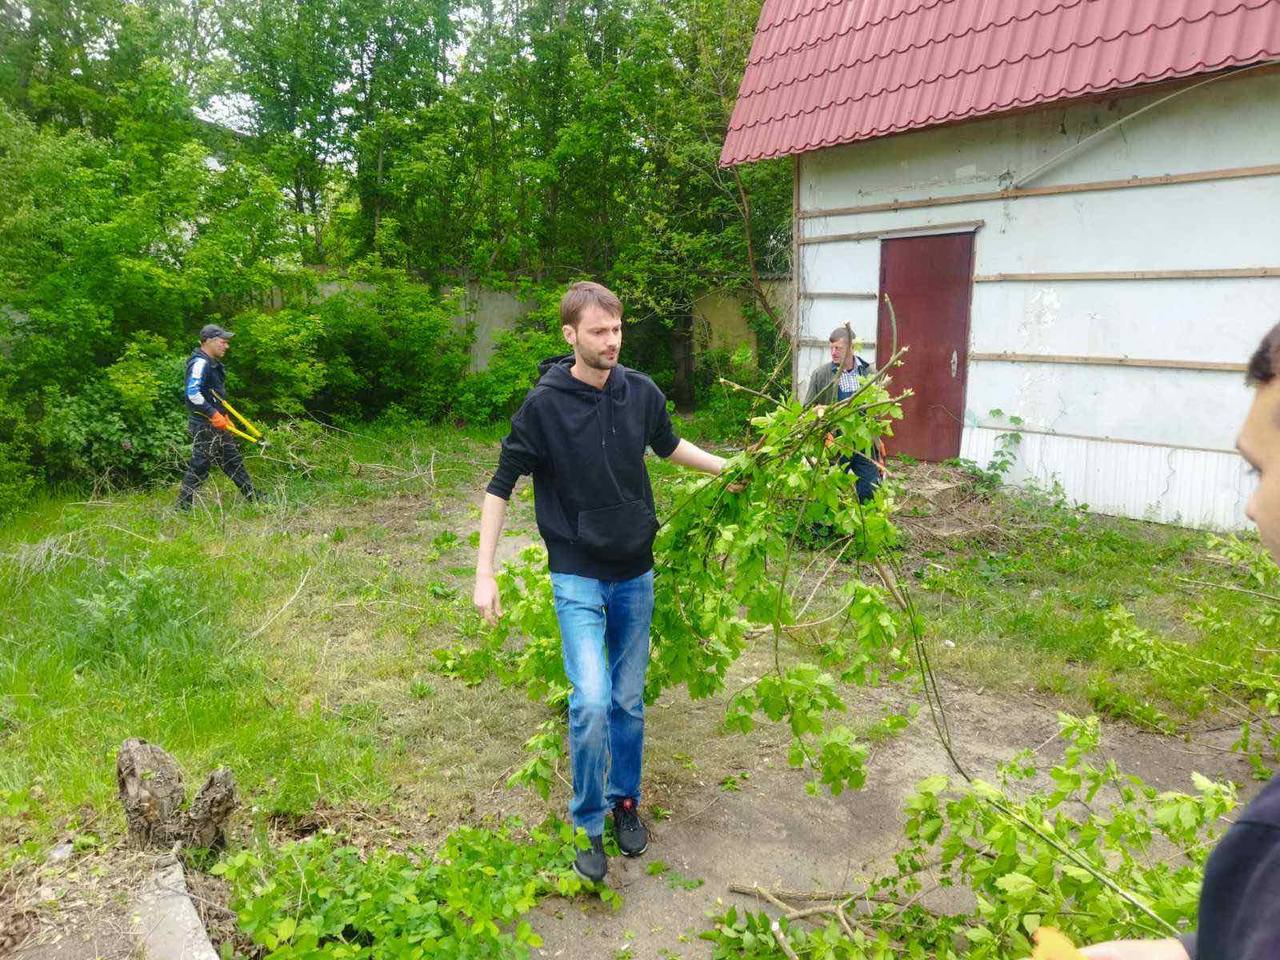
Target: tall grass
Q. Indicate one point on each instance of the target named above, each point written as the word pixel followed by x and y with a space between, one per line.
pixel 123 619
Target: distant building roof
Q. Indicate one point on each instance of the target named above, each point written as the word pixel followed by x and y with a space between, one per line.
pixel 824 72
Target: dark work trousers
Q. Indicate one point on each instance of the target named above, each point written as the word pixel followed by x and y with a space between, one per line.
pixel 210 446
pixel 868 474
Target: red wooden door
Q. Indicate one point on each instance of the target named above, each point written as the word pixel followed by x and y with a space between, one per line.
pixel 930 280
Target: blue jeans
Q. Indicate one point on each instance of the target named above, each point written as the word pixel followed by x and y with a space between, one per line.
pixel 868 474
pixel 606 707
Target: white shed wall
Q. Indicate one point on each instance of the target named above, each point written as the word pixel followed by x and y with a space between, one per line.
pixel 1141 441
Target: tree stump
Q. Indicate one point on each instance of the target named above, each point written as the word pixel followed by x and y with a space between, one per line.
pixel 205 821
pixel 153 795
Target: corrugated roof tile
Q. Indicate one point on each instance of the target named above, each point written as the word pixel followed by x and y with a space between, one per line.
pixel 823 72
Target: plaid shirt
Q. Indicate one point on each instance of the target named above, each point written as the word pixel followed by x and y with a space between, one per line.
pixel 848 383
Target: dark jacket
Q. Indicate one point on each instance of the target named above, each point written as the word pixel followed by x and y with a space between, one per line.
pixel 585 448
pixel 1240 898
pixel 824 382
pixel 205 377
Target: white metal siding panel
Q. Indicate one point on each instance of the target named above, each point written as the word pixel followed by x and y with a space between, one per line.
pixel 1186 408
pixel 810 358
pixel 1152 483
pixel 1181 319
pixel 1183 226
pixel 825 314
pixel 991 154
pixel 853 266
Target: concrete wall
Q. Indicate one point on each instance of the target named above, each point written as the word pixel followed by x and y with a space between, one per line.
pixel 1136 440
pixel 491 311
pixel 720 322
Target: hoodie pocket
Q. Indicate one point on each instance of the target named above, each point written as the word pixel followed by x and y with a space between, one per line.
pixel 621 531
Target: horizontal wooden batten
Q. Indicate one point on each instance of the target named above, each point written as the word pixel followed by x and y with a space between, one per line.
pixel 1219 273
pixel 820 342
pixel 1203 176
pixel 1212 365
pixel 838 295
pixel 1001 428
pixel 924 230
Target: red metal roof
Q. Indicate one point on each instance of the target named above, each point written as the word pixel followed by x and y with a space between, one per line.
pixel 823 72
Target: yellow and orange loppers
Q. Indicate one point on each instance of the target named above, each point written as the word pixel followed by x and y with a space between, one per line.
pixel 253 435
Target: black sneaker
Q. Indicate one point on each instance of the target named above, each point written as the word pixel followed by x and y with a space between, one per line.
pixel 591 864
pixel 633 837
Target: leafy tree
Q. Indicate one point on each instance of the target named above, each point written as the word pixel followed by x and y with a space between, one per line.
pixel 290 58
pixel 507 142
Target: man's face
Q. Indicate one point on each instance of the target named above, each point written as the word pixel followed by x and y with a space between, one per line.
pixel 1259 443
pixel 598 338
pixel 215 347
pixel 839 350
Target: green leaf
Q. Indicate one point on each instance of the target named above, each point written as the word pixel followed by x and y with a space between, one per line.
pixel 1017 885
pixel 932 785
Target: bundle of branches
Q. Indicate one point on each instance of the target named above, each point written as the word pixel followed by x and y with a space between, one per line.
pixel 756 552
pixel 1225 675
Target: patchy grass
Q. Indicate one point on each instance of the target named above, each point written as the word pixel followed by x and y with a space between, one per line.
pixel 294 641
pixel 1025 607
pixel 233 636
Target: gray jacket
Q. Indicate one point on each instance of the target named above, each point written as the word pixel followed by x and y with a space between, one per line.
pixel 824 384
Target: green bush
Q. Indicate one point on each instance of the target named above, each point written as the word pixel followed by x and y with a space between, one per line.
pixel 724 412
pixel 112 254
pixel 17 479
pixel 393 344
pixel 125 425
pixel 274 362
pixel 17 482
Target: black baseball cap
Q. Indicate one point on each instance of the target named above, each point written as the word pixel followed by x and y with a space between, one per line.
pixel 211 331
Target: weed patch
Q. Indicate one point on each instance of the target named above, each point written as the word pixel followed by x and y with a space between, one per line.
pixel 319 899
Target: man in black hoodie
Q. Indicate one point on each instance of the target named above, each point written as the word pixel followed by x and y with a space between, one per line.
pixel 1240 896
pixel 582 433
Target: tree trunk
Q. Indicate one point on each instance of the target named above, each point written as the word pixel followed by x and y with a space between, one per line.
pixel 299 207
pixel 377 192
pixel 193 41
pixel 682 355
pixel 317 228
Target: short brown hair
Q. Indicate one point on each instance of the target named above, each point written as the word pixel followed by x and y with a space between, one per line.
pixel 587 293
pixel 843 332
pixel 1265 362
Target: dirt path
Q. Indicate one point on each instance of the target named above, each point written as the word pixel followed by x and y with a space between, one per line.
pixel 773 834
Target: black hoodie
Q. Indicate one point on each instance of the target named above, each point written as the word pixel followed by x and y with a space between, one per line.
pixel 1240 898
pixel 585 449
